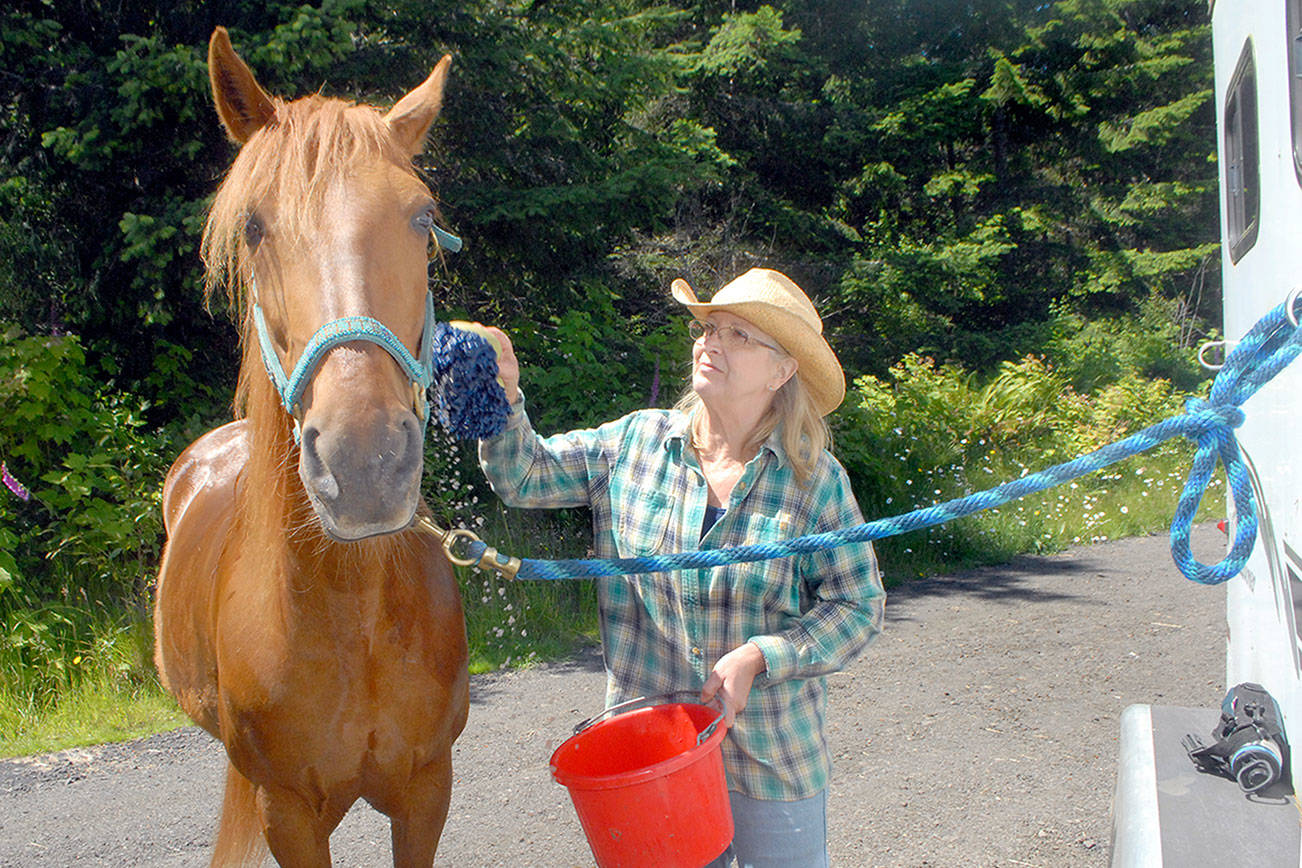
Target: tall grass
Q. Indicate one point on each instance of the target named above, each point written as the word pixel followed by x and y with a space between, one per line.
pixel 75 675
pixel 521 623
pixel 1135 496
pixel 930 433
pixel 510 623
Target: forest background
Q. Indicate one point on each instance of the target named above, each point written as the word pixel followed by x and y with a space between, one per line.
pixel 1005 209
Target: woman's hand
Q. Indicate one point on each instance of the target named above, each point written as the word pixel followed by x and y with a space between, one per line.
pixel 508 366
pixel 732 677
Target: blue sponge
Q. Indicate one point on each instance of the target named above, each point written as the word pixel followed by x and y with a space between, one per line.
pixel 468 400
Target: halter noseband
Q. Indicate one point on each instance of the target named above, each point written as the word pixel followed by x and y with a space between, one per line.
pixel 419 371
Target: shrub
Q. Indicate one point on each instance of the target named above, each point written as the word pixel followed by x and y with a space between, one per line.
pixel 92 527
pixel 509 623
pixel 1152 343
pixel 929 433
pixel 591 363
pixel 78 554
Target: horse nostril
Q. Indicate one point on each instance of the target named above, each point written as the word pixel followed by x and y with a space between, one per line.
pixel 414 442
pixel 414 432
pixel 315 471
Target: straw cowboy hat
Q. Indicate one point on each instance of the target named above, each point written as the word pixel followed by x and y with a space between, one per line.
pixel 775 304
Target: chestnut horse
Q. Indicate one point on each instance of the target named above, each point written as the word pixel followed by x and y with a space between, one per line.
pixel 300 618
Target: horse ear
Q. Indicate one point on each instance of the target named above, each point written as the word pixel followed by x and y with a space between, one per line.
pixel 242 104
pixel 410 119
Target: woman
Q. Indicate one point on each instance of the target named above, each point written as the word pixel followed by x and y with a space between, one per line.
pixel 741 459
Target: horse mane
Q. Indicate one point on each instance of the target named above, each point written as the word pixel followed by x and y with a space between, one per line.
pixel 294 161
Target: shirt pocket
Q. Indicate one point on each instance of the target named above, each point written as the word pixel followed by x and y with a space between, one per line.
pixel 765 589
pixel 643 522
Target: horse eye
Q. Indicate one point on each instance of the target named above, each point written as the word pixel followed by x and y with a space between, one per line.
pixel 424 220
pixel 253 231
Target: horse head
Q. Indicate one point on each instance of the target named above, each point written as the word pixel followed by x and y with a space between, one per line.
pixel 321 231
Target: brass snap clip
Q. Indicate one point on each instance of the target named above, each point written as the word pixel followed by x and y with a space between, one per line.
pixel 491 559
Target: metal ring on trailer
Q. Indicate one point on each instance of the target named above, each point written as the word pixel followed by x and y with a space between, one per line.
pixel 1224 346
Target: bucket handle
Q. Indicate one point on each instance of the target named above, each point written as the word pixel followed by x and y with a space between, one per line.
pixel 660 699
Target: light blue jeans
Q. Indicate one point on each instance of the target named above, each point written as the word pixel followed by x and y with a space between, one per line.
pixel 772 834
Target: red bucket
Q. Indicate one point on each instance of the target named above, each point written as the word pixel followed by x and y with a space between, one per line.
pixel 648 784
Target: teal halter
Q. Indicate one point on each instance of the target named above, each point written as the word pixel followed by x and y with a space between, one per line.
pixel 420 371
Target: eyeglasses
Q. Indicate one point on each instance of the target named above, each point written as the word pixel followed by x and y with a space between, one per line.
pixel 730 337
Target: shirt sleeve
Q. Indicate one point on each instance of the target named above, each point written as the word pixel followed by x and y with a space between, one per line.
pixel 846 599
pixel 534 472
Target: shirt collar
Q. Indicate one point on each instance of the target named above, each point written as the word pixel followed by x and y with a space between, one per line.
pixel 676 436
pixel 774 445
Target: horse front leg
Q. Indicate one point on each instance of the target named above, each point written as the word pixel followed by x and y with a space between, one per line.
pixel 297 836
pixel 418 822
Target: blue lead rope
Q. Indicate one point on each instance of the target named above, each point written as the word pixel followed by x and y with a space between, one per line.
pixel 1261 354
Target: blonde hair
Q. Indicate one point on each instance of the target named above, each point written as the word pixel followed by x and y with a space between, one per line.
pixel 802 430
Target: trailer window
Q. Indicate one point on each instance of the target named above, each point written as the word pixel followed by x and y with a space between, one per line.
pixel 1241 173
pixel 1294 33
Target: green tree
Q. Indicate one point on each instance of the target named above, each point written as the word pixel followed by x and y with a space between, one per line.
pixel 972 181
pixel 1071 163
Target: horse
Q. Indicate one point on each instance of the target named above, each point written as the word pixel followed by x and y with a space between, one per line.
pixel 302 617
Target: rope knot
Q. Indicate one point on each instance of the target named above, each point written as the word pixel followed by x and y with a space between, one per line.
pixel 1208 418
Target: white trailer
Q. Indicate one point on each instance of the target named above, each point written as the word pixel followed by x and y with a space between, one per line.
pixel 1165 812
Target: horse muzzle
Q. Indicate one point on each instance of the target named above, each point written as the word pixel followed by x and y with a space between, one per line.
pixel 363 480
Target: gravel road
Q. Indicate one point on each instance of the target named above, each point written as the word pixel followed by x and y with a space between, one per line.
pixel 980 730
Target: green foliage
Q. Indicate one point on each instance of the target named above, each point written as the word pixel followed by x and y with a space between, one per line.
pixel 37 250
pixel 111 155
pixel 1064 160
pixel 510 623
pixel 42 648
pixel 944 185
pixel 72 675
pixel 1005 210
pixel 746 43
pixel 99 708
pixel 525 622
pixel 91 530
pixel 1156 342
pixel 590 364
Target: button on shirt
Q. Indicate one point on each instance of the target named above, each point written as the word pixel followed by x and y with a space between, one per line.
pixel 662 632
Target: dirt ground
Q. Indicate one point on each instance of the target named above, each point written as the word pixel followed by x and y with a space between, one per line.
pixel 980 730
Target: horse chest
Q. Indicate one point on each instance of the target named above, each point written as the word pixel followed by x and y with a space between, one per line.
pixel 359 670
pixel 348 671
pixel 359 706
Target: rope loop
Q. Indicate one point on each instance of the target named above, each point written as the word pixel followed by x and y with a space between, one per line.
pixel 1271 344
pixel 1212 426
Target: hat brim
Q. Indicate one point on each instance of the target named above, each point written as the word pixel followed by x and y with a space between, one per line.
pixel 817 366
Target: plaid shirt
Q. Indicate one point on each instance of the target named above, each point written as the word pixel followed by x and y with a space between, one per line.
pixel 663 632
